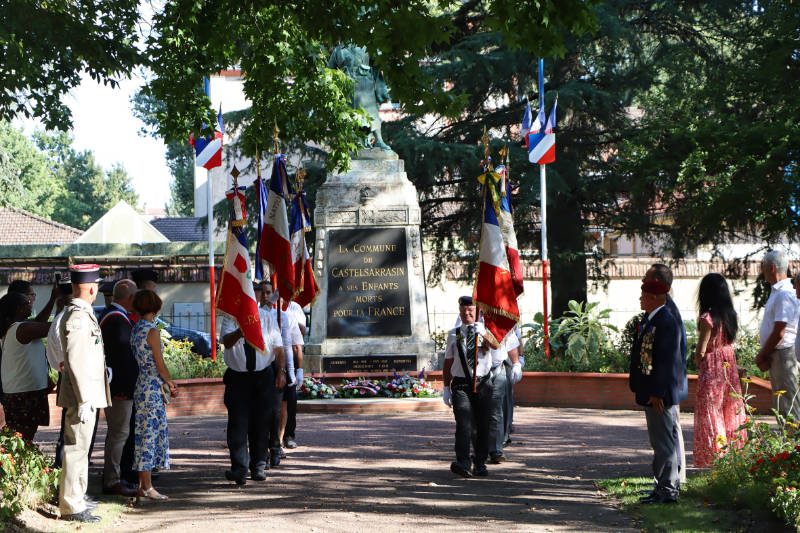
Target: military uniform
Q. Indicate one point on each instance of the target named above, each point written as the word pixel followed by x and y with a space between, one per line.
pixel 84 389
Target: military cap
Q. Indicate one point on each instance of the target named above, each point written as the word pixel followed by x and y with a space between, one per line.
pixel 86 273
pixel 465 300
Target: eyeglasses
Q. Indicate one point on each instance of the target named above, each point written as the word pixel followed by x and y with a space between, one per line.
pixel 31 294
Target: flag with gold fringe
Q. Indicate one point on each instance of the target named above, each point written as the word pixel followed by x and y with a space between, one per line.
pixel 305 283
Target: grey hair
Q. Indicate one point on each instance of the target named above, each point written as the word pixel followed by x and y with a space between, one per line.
pixel 777 258
pixel 124 288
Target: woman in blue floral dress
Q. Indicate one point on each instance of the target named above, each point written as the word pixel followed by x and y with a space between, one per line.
pixel 150 431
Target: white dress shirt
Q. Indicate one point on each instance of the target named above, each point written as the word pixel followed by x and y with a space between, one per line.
pixel 782 306
pixel 235 357
pixel 451 352
pixel 54 351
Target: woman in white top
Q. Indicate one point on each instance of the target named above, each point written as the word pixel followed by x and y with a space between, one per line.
pixel 24 366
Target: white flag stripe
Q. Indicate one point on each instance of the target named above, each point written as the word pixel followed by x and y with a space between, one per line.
pixel 208 152
pixel 507 225
pixel 493 250
pixel 276 215
pixel 540 149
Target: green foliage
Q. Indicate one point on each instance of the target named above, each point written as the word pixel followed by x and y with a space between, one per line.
pixel 182 363
pixel 26 479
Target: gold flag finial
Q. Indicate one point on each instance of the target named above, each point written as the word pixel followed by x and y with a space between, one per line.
pixel 301 176
pixel 235 174
pixel 275 132
pixel 487 157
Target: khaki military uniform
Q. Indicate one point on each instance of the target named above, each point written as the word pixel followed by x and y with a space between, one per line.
pixel 83 380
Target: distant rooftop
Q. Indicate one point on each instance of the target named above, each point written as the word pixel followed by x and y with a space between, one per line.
pixel 18 226
pixel 181 229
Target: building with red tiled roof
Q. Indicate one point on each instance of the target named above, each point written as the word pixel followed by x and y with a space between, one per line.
pixel 18 226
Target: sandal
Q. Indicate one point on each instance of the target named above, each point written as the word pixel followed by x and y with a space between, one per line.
pixel 150 494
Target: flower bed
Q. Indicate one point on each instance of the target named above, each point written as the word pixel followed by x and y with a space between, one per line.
pixel 404 386
pixel 26 479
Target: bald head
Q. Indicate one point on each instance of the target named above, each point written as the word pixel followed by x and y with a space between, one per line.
pixel 124 291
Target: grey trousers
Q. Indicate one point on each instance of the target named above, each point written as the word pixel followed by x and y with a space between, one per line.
pixel 508 405
pixel 75 465
pixel 681 448
pixel 118 420
pixel 497 427
pixel 663 439
pixel 783 376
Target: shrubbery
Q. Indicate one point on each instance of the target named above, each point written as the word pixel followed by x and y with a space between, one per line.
pixel 26 479
pixel 183 363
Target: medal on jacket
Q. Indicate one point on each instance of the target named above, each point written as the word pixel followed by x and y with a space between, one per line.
pixel 646 353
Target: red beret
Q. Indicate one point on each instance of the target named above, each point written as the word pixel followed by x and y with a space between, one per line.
pixel 655 286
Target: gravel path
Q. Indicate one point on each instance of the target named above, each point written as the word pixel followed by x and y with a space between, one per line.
pixel 391 473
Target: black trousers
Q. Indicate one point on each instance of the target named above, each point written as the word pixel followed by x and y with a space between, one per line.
pixel 252 401
pixel 471 410
pixel 290 397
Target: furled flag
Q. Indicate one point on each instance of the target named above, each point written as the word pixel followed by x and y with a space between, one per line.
pixel 542 145
pixel 495 293
pixel 274 244
pixel 527 122
pixel 506 220
pixel 235 296
pixel 208 150
pixel 262 269
pixel 306 287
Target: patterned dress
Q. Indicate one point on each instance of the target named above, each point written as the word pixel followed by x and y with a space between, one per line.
pixel 150 431
pixel 717 414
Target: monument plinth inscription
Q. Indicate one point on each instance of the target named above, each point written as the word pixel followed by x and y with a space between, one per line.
pixel 368 283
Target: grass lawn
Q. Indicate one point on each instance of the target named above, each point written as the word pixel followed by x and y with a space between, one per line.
pixel 693 512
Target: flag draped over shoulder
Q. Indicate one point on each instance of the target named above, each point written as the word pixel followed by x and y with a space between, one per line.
pixel 542 144
pixel 306 287
pixel 274 243
pixel 495 292
pixel 506 220
pixel 208 150
pixel 235 296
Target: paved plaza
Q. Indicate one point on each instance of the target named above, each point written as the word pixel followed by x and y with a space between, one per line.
pixel 390 473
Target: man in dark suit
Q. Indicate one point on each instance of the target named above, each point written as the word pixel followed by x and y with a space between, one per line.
pixel 663 273
pixel 656 377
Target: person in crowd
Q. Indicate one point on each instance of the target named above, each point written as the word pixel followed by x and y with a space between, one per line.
pixel 145 279
pixel 513 376
pixel 84 389
pixel 252 395
pixel 778 332
pixel 24 366
pixel 656 375
pixel 150 428
pixel 465 344
pixel 663 273
pixel 289 435
pixel 55 355
pixel 498 379
pixel 116 327
pixel 716 412
pixel 290 336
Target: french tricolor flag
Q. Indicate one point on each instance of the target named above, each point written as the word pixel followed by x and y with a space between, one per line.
pixel 542 145
pixel 235 296
pixel 506 220
pixel 274 243
pixel 495 293
pixel 208 150
pixel 306 287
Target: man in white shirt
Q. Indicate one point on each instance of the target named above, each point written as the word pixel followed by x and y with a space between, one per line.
pixel 252 385
pixel 466 361
pixel 778 332
pixel 290 427
pixel 498 379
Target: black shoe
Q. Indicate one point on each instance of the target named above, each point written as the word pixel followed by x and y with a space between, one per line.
pixel 497 458
pixel 281 453
pixel 290 443
pixel 274 460
pixel 656 498
pixel 258 476
pixel 239 480
pixel 457 468
pixel 507 441
pixel 480 470
pixel 83 516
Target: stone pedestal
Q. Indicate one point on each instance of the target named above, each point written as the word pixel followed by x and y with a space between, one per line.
pixel 371 313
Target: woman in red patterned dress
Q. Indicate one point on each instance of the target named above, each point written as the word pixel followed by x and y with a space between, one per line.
pixel 717 415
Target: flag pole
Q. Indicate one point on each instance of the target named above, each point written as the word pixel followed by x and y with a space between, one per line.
pixel 543 200
pixel 211 272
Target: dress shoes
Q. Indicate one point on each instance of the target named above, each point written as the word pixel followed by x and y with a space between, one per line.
pixel 290 443
pixel 459 469
pixel 281 453
pixel 258 476
pixel 120 489
pixel 239 480
pixel 497 458
pixel 480 470
pixel 656 498
pixel 274 460
pixel 83 516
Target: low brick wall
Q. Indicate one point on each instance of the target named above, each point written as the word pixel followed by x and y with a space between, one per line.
pixel 204 396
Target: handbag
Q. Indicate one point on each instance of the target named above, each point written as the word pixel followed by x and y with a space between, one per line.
pixel 165 392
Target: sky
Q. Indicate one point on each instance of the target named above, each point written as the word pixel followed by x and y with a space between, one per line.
pixel 103 122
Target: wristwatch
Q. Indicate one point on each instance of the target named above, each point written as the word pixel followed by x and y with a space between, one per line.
pixel 283 369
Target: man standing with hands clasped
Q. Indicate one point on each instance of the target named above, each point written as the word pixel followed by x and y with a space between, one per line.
pixel 656 377
pixel 84 389
pixel 469 408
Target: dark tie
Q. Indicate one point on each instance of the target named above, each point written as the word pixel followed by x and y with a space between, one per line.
pixel 471 346
pixel 250 355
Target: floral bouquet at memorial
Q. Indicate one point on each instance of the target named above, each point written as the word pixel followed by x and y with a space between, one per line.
pixel 407 387
pixel 314 388
pixel 360 388
pixel 26 478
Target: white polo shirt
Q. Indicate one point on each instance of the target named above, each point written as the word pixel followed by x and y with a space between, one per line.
pixel 782 306
pixel 235 357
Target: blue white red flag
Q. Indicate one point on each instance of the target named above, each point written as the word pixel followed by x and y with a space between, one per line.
pixel 542 145
pixel 208 150
pixel 495 294
pixel 527 122
pixel 274 243
pixel 305 283
pixel 235 296
pixel 262 267
pixel 506 221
